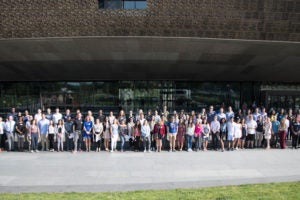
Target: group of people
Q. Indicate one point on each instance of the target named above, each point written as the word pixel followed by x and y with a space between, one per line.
pixel 149 132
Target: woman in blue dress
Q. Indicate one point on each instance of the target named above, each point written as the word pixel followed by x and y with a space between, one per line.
pixel 87 128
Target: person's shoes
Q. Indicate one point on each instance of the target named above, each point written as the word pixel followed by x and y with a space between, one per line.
pixel 31 151
pixel 149 151
pixel 145 151
pixel 174 150
pixel 111 151
pixel 36 151
pixel 170 150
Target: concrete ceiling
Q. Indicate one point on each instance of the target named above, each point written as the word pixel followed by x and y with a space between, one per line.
pixel 148 58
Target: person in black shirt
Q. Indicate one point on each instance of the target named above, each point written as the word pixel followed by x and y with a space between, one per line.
pixel 69 130
pixel 259 131
pixel 77 129
pixel 295 132
pixel 101 116
pixel 21 130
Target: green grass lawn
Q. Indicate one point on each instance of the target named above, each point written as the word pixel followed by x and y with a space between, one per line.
pixel 273 191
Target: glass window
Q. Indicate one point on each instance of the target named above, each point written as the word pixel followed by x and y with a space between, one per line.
pixel 129 4
pixel 122 4
pixel 112 4
pixel 141 4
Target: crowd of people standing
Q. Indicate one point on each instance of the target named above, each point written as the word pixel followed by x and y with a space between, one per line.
pixel 149 132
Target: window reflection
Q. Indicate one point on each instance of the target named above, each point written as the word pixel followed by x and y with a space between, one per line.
pixel 132 95
pixel 122 4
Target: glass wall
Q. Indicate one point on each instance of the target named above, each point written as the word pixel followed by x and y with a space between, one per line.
pixel 133 95
pixel 122 4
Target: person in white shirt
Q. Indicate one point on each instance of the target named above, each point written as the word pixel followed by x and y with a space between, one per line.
pixel 10 132
pixel 97 131
pixel 287 122
pixel 268 131
pixel 256 114
pixel 38 115
pixel 237 134
pixel 230 133
pixel 57 116
pixel 215 132
pixel 229 114
pixel 190 129
pixel 221 114
pixel 263 114
pixel 251 130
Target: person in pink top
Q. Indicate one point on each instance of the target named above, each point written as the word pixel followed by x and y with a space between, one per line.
pixel 198 135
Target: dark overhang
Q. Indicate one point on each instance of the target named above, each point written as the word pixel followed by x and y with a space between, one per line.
pixel 148 58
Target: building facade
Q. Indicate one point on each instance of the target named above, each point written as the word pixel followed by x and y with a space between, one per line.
pixel 148 53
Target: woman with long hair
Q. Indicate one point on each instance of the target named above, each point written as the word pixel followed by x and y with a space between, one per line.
pixel 152 124
pixel 60 132
pixel 34 132
pixel 244 133
pixel 123 130
pixel 106 133
pixel 180 134
pixel 98 131
pixel 87 128
pixel 114 129
pixel 137 135
pixel 237 134
pixel 268 131
pixel 145 132
pixel 282 133
pixel 205 133
pixel 190 130
pixel 51 134
pixel 198 135
pixel 223 130
pixel 160 131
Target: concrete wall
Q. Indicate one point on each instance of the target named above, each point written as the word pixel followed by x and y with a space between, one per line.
pixel 238 19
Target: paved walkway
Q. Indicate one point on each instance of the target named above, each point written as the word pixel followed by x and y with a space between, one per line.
pixel 89 172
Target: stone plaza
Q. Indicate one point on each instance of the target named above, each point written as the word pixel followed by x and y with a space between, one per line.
pixel 103 171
